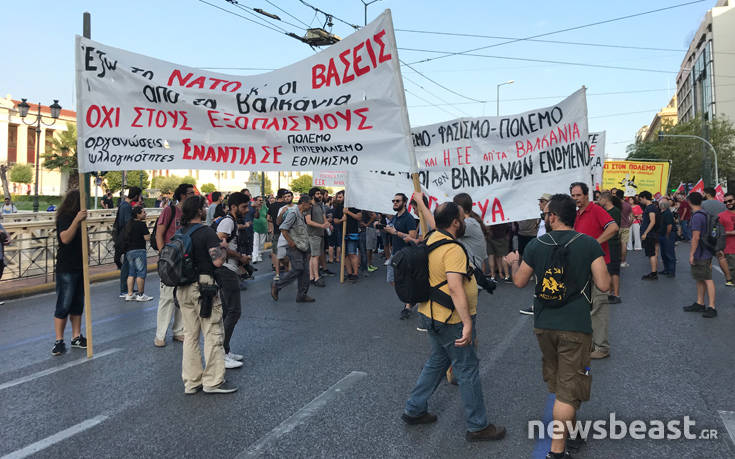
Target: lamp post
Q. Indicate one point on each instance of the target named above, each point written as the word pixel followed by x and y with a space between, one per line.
pixel 497 97
pixel 23 108
pixel 661 135
pixel 366 5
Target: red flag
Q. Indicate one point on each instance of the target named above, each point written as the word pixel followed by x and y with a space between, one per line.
pixel 657 196
pixel 698 187
pixel 719 193
pixel 680 189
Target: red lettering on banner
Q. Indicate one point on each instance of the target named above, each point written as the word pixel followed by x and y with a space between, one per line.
pixel 228 153
pixel 460 156
pixel 101 115
pixel 319 79
pixel 483 208
pixel 447 161
pixel 177 78
pixel 363 118
pixel 497 210
pixel 161 118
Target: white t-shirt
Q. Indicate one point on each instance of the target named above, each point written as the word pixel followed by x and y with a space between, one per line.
pixel 227 225
pixel 541 228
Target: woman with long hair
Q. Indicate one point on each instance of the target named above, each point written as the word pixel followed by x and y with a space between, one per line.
pixel 136 236
pixel 69 279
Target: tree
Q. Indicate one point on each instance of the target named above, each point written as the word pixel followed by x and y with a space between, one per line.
pixel 208 188
pixel 302 184
pixel 133 178
pixel 4 179
pixel 21 173
pixel 63 155
pixel 688 155
pixel 188 179
pixel 166 185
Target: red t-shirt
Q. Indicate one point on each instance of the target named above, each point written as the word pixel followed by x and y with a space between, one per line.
pixel 592 221
pixel 727 219
pixel 165 217
pixel 685 212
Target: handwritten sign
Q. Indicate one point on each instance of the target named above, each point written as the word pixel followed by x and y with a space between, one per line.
pixel 339 109
pixel 635 176
pixel 330 179
pixel 597 151
pixel 505 163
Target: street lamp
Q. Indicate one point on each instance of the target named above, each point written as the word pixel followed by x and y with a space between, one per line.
pixel 497 97
pixel 661 136
pixel 23 108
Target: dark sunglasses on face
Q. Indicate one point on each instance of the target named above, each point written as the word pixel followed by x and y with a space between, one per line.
pixel 397 200
pixel 729 201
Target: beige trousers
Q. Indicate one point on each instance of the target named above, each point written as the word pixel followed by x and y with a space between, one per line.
pixel 166 309
pixel 600 315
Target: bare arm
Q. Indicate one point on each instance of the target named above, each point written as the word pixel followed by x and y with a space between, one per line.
pixel 522 272
pixel 424 211
pixel 68 234
pixel 455 282
pixel 652 216
pixel 693 245
pixel 218 255
pixel 610 231
pixel 290 241
pixel 600 276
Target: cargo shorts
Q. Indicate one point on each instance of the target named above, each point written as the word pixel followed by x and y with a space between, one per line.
pixel 702 270
pixel 566 354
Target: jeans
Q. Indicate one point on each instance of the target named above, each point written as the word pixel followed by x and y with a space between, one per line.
pixel 668 254
pixel 465 365
pixel 69 294
pixel 124 270
pixel 229 289
pixel 137 263
pixel 299 271
pixel 686 232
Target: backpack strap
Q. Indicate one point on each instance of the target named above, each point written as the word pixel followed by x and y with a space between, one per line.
pixel 170 220
pixel 436 294
pixel 193 228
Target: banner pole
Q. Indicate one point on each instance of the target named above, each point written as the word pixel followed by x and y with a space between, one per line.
pixel 87 33
pixel 342 255
pixel 404 118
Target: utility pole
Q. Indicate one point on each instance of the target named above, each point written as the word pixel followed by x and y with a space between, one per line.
pixel 661 135
pixel 366 4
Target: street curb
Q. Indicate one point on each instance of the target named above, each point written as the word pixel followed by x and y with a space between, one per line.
pixel 51 286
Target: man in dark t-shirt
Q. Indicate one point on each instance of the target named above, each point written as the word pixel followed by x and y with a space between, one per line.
pixel 401 227
pixel 649 226
pixel 666 238
pixel 564 333
pixel 613 266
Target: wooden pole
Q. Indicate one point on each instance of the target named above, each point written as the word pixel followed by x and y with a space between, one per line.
pixel 342 255
pixel 87 32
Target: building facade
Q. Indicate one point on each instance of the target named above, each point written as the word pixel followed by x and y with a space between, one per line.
pixel 667 116
pixel 705 84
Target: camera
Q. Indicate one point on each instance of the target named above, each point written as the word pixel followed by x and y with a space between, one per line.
pixel 379 226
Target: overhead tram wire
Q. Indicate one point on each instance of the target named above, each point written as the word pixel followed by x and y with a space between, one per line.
pixel 568 29
pixel 250 10
pixel 286 12
pixel 441 85
pixel 356 27
pixel 429 104
pixel 244 17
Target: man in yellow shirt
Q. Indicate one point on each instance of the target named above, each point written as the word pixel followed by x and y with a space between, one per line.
pixel 451 330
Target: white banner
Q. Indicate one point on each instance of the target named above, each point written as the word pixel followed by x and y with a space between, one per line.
pixel 505 163
pixel 597 151
pixel 339 109
pixel 330 179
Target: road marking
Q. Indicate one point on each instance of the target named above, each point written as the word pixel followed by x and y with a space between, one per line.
pixel 302 415
pixel 55 438
pixel 543 443
pixel 503 346
pixel 718 269
pixel 53 370
pixel 728 418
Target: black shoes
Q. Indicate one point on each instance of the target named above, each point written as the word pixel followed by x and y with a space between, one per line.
pixel 694 307
pixel 612 299
pixel 305 299
pixel 709 313
pixel 488 433
pixel 319 282
pixel 80 342
pixel 650 276
pixel 426 418
pixel 274 291
pixel 405 313
pixel 59 347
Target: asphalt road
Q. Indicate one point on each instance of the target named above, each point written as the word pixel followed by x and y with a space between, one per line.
pixel 330 379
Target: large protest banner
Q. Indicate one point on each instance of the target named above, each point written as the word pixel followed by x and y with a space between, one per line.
pixel 503 162
pixel 339 109
pixel 597 151
pixel 635 176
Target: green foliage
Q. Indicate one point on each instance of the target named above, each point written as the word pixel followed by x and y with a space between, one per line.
pixel 63 154
pixel 21 173
pixel 688 155
pixel 188 179
pixel 167 185
pixel 114 180
pixel 302 184
pixel 208 188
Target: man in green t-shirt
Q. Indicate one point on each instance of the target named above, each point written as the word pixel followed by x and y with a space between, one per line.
pixel 260 226
pixel 564 333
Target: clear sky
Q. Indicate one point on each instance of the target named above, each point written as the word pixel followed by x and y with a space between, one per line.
pixel 38 62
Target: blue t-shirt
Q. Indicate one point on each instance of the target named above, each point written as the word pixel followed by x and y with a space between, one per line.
pixel 699 223
pixel 403 223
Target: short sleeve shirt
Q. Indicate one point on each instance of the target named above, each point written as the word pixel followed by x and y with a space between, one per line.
pixel 449 258
pixel 699 223
pixel 646 219
pixel 295 223
pixel 68 256
pixel 273 210
pixel 575 315
pixel 592 221
pixel 615 213
pixel 317 216
pixel 202 240
pixel 227 226
pixel 136 236
pixel 125 213
pixel 403 223
pixel 352 223
pixel 625 218
pixel 474 240
pixel 165 218
pixel 727 219
pixel 667 218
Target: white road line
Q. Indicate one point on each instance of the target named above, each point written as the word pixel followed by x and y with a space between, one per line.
pixel 53 370
pixel 728 418
pixel 718 269
pixel 55 438
pixel 302 415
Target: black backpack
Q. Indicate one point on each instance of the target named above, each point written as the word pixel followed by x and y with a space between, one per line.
pixel 556 288
pixel 175 264
pixel 713 239
pixel 154 244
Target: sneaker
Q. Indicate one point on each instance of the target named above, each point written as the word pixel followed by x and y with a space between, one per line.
pixel 372 269
pixel 507 280
pixel 305 299
pixel 233 356
pixel 488 433
pixel 274 291
pixel 729 284
pixel 598 354
pixel 327 272
pixel 193 390
pixel 694 307
pixel 276 277
pixel 405 313
pixel 612 299
pixel 528 311
pixel 319 282
pixel 426 418
pixel 625 264
pixel 650 276
pixel 129 297
pixel 231 363
pixel 576 443
pixel 159 342
pixel 387 262
pixel 564 455
pixel 353 278
pixel 709 313
pixel 143 297
pixel 223 388
pixel 123 295
pixel 59 347
pixel 80 342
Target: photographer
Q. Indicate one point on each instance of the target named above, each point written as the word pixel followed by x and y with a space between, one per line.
pixel 207 254
pixel 227 276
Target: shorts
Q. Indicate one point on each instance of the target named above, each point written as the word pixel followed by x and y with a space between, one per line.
pixel 316 245
pixel 649 245
pixel 730 257
pixel 498 247
pixel 371 239
pixel 565 356
pixel 137 263
pixel 702 270
pixel 624 235
pixel 351 245
pixel 281 251
pixel 69 295
pixel 613 268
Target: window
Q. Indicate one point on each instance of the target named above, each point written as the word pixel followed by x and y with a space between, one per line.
pixel 12 143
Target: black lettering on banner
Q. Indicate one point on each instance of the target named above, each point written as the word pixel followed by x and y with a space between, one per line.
pixel 287 87
pixel 159 94
pixel 529 123
pixel 421 139
pixel 145 73
pixel 105 64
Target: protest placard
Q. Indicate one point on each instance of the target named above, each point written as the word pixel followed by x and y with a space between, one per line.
pixel 635 176
pixel 503 162
pixel 330 179
pixel 339 109
pixel 597 151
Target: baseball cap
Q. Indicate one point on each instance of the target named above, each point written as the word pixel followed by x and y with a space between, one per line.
pixel 545 197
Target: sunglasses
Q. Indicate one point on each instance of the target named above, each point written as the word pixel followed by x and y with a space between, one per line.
pixel 397 200
pixel 729 201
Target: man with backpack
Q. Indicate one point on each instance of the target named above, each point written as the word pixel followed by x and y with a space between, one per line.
pixel 196 252
pixel 714 208
pixel 700 258
pixel 124 215
pixel 167 225
pixel 650 224
pixel 449 317
pixel 294 232
pixel 564 262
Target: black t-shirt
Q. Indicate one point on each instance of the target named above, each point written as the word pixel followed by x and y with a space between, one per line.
pixel 202 240
pixel 404 224
pixel 352 224
pixel 651 209
pixel 68 256
pixel 135 232
pixel 667 218
pixel 107 202
pixel 273 212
